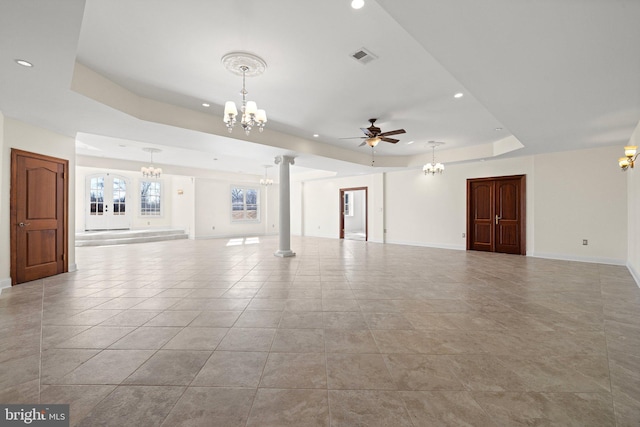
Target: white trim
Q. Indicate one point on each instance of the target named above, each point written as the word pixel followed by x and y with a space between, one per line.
pixel 564 257
pixel 162 201
pixel 244 189
pixel 428 245
pixel 634 274
pixel 232 236
pixel 73 267
pixel 5 283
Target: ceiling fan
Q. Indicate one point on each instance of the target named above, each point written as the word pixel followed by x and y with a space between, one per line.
pixel 374 135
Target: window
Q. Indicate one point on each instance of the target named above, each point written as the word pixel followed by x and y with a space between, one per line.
pixel 244 204
pixel 119 196
pixel 348 203
pixel 97 196
pixel 150 198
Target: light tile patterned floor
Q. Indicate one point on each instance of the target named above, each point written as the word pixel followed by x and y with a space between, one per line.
pixel 347 333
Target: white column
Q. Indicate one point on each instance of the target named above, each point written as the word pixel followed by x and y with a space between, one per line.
pixel 284 245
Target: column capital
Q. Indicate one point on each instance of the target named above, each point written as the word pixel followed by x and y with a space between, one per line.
pixel 285 159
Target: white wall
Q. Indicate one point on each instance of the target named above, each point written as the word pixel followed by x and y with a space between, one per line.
pixel 633 217
pixel 36 140
pixel 5 242
pixel 430 210
pixel 570 196
pixel 320 205
pixel 213 209
pixel 183 206
pixel 173 205
pixel 581 195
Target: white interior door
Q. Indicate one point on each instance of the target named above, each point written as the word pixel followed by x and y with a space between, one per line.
pixel 106 207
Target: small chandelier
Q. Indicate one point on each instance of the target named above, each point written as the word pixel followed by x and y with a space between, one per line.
pixel 433 167
pixel 151 172
pixel 246 65
pixel 630 151
pixel 266 181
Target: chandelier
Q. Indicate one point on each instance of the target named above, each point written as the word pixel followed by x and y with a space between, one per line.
pixel 631 154
pixel 246 65
pixel 266 181
pixel 433 167
pixel 151 172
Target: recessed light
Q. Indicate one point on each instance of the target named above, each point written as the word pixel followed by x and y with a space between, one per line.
pixel 315 135
pixel 204 104
pixel 498 129
pixel 458 95
pixel 357 4
pixel 24 63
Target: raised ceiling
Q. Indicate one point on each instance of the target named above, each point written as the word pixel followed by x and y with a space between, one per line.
pixel 120 76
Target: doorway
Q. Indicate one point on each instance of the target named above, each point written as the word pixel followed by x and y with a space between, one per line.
pixel 106 202
pixel 496 214
pixel 354 218
pixel 39 216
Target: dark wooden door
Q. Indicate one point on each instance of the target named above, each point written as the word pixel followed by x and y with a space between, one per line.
pixel 39 195
pixel 496 214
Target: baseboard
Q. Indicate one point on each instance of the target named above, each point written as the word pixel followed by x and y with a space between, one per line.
pixel 427 245
pixel 634 274
pixel 73 267
pixel 232 236
pixel 566 257
pixel 5 283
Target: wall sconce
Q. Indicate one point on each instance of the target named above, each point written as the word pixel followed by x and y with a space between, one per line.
pixel 631 154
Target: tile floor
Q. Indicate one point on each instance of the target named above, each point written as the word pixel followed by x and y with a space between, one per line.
pixel 347 333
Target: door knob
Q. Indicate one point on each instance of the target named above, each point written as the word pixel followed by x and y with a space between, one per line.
pixel 497 219
pixel 24 224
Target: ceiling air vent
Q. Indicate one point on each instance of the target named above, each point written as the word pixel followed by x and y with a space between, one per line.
pixel 363 56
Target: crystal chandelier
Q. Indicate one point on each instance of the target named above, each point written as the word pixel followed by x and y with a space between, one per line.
pixel 151 172
pixel 266 181
pixel 433 167
pixel 246 65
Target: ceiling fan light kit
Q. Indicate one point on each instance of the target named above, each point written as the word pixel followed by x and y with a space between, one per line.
pixel 246 65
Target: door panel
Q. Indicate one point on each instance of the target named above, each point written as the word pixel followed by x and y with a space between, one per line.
pixel 106 207
pixel 39 194
pixel 482 208
pixel 508 211
pixel 496 215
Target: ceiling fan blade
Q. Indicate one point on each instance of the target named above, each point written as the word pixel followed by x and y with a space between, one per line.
pixel 354 137
pixel 393 132
pixel 391 140
pixel 367 132
pixel 363 143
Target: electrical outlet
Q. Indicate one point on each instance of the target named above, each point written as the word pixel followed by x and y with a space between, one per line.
pixel 464 235
pixel 213 227
pixel 585 242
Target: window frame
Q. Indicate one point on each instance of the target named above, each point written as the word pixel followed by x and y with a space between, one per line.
pixel 160 211
pixel 349 207
pixel 245 219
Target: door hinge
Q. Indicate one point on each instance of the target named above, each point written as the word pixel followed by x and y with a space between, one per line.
pixel 63 257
